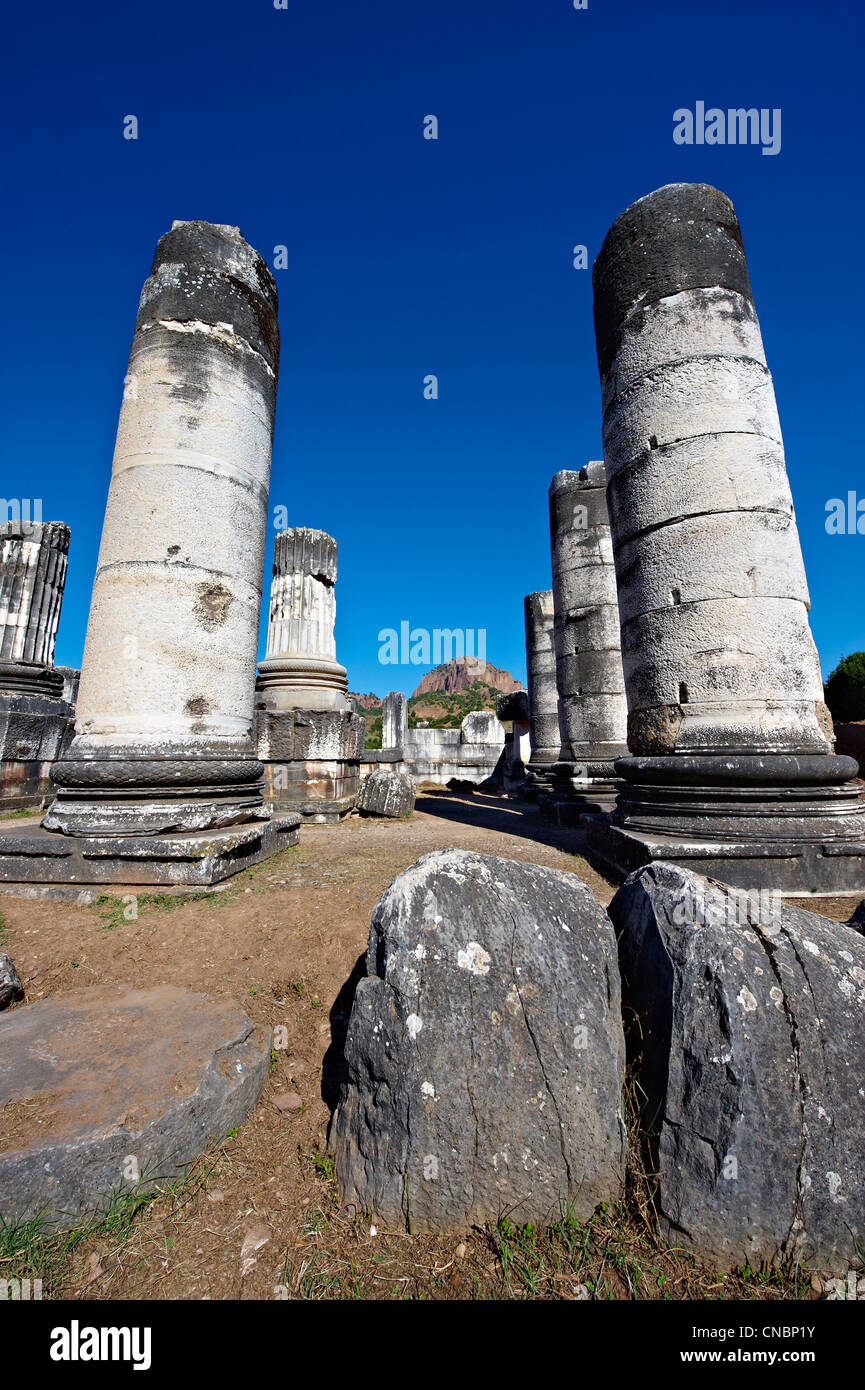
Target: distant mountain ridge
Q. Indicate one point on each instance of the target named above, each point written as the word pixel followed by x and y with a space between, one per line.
pixel 461 674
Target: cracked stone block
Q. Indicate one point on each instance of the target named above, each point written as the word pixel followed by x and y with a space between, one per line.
pixel 386 793
pixel 484 1054
pixel 750 1044
pixel 109 1088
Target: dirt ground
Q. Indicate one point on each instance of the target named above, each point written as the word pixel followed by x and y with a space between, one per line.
pixel 260 1217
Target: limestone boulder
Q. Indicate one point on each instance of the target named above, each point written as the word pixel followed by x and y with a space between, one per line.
pixel 386 793
pixel 484 1054
pixel 749 1030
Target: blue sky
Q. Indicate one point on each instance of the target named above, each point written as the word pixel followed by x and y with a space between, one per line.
pixel 408 256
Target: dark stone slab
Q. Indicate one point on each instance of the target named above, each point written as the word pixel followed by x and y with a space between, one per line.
pixel 30 855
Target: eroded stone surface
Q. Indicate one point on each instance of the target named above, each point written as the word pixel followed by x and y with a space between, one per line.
pixel 485 1051
pixel 98 1085
pixel 752 1035
pixel 300 669
pixel 386 793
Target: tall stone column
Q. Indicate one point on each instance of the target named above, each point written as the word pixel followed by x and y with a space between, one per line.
pixel 164 720
pixel 34 717
pixel 308 737
pixel 544 737
pixel 733 769
pixel 593 710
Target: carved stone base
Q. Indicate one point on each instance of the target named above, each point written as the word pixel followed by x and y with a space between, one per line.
pixel 35 727
pixel 794 824
pixel 313 683
pixel 154 790
pixel 311 760
pixel 579 789
pixel 30 855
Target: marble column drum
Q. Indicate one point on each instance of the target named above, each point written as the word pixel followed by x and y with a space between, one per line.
pixel 307 736
pixel 593 712
pixel 544 739
pixel 35 717
pixel 164 720
pixel 732 767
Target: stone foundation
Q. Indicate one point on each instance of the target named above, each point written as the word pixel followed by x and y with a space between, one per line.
pixel 311 760
pixel 31 856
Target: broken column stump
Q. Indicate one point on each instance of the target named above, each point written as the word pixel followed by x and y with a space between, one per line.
pixel 307 735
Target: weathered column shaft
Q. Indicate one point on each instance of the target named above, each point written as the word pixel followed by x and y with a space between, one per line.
pixel 33 558
pixel 717 650
pixel 302 598
pixel 394 720
pixel 732 771
pixel 166 697
pixel 300 669
pixel 541 678
pixel 593 712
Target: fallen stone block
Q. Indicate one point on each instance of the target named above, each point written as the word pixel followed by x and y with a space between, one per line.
pixel 751 1030
pixel 110 1089
pixel 11 988
pixel 386 793
pixel 484 1054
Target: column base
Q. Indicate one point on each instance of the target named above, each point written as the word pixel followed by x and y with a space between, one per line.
pixel 794 824
pixel 150 792
pixel 286 683
pixel 33 856
pixel 35 724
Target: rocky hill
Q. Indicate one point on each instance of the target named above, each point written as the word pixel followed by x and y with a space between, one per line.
pixel 365 701
pixel 463 673
pixel 447 694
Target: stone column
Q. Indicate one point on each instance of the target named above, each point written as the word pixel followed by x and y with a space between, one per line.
pixel 733 767
pixel 541 682
pixel 308 737
pixel 593 713
pixel 164 718
pixel 300 670
pixel 394 721
pixel 34 716
pixel 33 557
